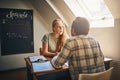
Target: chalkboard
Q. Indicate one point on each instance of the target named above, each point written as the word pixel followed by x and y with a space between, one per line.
pixel 16 31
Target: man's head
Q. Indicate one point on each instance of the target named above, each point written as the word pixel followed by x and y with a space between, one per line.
pixel 80 26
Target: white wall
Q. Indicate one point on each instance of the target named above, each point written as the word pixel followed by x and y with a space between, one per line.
pixel 109 40
pixel 17 61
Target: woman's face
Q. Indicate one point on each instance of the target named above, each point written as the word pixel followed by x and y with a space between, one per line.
pixel 58 28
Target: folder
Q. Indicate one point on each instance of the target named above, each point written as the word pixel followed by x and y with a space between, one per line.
pixel 42 66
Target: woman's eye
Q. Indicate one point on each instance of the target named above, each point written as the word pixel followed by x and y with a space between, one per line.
pixel 60 27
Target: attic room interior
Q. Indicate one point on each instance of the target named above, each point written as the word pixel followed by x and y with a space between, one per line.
pixel 13 66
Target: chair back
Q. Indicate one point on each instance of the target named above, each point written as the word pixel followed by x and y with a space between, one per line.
pixel 105 75
pixel 40 50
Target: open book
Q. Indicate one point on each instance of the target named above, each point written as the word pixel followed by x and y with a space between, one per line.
pixel 42 66
pixel 37 58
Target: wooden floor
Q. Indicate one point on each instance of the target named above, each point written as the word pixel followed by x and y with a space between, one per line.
pixel 18 74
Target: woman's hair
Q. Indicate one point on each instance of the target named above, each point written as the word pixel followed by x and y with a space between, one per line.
pixel 62 37
pixel 80 26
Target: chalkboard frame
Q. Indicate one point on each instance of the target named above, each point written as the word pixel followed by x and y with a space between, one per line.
pixel 16 31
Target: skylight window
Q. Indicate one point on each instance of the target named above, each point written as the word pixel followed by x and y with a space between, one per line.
pixel 95 11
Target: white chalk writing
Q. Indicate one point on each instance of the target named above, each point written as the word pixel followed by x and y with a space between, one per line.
pixel 13 15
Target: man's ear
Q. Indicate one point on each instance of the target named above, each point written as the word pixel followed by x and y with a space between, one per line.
pixel 73 32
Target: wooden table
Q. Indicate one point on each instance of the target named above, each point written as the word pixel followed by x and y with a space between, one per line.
pixel 57 74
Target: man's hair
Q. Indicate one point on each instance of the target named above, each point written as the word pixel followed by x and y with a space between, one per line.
pixel 80 26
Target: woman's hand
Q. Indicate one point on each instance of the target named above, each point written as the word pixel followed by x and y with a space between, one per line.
pixel 57 53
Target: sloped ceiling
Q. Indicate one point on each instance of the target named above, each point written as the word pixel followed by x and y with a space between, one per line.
pixel 114 6
pixel 45 11
pixel 63 10
pixel 49 14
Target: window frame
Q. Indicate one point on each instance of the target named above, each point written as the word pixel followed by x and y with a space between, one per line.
pixel 98 22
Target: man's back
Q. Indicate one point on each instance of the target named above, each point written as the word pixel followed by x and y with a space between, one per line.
pixel 86 56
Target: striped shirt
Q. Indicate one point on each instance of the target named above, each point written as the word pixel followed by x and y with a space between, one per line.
pixel 83 55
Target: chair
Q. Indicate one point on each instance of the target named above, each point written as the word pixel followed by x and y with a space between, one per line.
pixel 106 75
pixel 40 50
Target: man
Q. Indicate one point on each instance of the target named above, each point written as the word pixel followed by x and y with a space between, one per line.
pixel 82 51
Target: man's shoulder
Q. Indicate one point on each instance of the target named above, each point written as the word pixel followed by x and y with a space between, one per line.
pixel 90 36
pixel 70 39
pixel 79 37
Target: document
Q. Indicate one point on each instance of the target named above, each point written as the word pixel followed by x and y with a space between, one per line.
pixel 37 58
pixel 41 67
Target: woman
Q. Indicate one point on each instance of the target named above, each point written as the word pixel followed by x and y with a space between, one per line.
pixel 53 42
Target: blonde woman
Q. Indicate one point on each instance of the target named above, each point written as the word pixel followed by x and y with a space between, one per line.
pixel 53 42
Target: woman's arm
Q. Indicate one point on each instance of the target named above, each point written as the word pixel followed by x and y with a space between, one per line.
pixel 45 50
